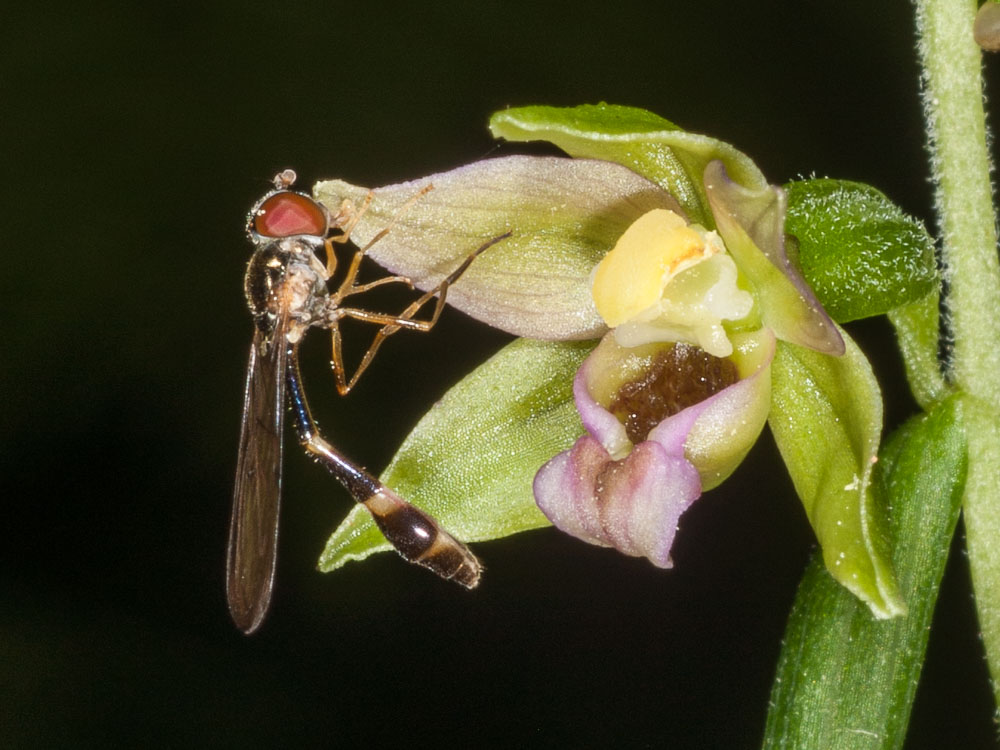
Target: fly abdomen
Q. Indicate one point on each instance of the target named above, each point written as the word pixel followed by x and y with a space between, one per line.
pixel 414 533
pixel 419 539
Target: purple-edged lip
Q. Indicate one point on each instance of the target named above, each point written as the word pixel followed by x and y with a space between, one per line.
pixel 608 492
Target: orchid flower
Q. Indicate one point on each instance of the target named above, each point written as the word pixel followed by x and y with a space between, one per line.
pixel 671 401
pixel 671 249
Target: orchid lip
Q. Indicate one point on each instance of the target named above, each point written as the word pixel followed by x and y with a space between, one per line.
pixel 611 492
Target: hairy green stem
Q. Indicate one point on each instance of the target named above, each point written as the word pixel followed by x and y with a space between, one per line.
pixel 953 103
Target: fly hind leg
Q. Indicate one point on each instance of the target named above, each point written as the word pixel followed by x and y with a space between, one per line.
pixel 416 535
pixel 390 324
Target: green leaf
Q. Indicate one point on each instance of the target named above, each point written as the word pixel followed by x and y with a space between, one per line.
pixel 860 253
pixel 826 416
pixel 917 332
pixel 471 459
pixel 845 680
pixel 642 141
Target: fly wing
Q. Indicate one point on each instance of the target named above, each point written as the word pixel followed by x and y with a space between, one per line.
pixel 253 528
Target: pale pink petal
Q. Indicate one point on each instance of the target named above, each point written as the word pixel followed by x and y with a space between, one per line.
pixel 564 490
pixel 563 216
pixel 632 504
pixel 641 499
pixel 597 420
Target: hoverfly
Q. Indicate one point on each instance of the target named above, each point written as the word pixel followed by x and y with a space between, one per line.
pixel 287 293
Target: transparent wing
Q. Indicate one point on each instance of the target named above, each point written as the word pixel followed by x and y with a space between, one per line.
pixel 253 528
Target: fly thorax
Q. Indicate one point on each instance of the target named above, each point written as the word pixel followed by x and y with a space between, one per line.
pixel 305 293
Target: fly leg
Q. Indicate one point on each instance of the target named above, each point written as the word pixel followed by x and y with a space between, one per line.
pixel 414 534
pixel 390 324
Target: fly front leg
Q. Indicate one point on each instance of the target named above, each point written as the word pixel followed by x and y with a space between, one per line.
pixel 348 216
pixel 349 286
pixel 346 219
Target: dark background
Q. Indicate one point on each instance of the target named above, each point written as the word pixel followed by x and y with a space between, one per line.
pixel 136 137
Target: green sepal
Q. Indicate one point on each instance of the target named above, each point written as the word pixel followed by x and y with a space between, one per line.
pixel 846 680
pixel 860 253
pixel 650 145
pixel 751 222
pixel 471 459
pixel 826 417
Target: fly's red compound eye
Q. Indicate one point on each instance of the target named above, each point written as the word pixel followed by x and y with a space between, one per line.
pixel 286 214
